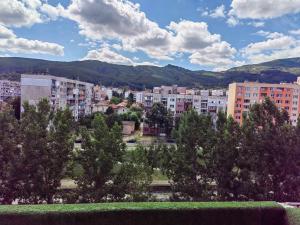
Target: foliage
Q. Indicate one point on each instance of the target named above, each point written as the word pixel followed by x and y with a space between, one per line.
pixel 9 156
pixel 188 164
pixel 145 213
pixel 115 100
pixel 135 175
pixel 46 147
pixel 273 152
pixel 103 150
pixel 160 118
pixel 132 116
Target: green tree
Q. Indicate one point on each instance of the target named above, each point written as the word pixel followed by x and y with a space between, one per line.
pixel 273 153
pixel 135 175
pixel 9 157
pixel 188 163
pixel 115 100
pixel 103 151
pixel 226 158
pixel 159 117
pixel 130 99
pixel 46 147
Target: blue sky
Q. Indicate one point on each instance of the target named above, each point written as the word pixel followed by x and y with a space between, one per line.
pixel 195 34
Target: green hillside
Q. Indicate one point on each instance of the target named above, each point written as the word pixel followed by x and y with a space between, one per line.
pixel 148 76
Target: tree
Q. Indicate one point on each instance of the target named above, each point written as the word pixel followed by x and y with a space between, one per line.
pixel 188 164
pixel 9 157
pixel 134 176
pixel 226 158
pixel 131 116
pixel 160 118
pixel 273 154
pixel 46 147
pixel 130 99
pixel 115 100
pixel 103 150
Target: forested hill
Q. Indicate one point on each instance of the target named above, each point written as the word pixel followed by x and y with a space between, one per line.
pixel 149 76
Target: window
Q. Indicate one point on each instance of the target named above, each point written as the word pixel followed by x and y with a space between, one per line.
pixel 247 95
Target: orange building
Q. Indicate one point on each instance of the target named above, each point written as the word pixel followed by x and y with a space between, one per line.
pixel 242 95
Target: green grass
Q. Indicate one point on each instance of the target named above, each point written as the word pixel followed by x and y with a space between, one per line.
pixel 74 208
pixel 293 216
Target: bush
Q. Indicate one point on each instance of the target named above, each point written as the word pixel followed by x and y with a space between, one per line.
pixel 168 213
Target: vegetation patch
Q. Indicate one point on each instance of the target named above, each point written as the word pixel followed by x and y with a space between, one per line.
pixel 146 213
pixel 293 216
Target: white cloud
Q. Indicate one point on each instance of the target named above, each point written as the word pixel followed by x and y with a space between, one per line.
pixel 19 13
pixel 232 21
pixel 257 23
pixel 53 12
pixel 218 12
pixel 9 42
pixel 6 33
pixel 276 46
pixel 123 21
pixel 105 54
pixel 219 55
pixel 263 9
pixel 295 32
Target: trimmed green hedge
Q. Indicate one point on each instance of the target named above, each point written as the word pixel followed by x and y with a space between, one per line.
pixel 170 213
pixel 293 216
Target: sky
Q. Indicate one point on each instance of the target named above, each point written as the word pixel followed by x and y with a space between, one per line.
pixel 195 34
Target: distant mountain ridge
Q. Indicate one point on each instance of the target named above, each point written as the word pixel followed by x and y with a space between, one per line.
pixel 139 77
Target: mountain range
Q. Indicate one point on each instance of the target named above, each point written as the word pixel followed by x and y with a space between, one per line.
pixel 139 77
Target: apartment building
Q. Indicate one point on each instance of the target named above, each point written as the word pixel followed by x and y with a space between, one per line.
pixel 242 95
pixel 61 93
pixel 178 102
pixel 9 89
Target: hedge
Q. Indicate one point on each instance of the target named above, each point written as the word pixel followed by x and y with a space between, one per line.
pixel 293 216
pixel 154 213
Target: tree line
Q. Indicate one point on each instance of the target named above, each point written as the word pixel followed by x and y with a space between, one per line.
pixel 257 160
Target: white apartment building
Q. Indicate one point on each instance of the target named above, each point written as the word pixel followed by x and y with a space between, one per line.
pixel 204 102
pixel 61 93
pixel 9 89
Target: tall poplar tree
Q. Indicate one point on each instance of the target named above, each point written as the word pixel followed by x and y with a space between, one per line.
pixel 46 147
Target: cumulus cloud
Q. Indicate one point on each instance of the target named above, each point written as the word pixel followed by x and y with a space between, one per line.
pixel 19 13
pixel 124 22
pixel 9 42
pixel 53 12
pixel 219 55
pixel 276 46
pixel 218 12
pixel 6 33
pixel 266 9
pixel 105 54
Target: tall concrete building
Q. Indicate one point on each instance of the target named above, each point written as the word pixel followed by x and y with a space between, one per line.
pixel 178 102
pixel 242 95
pixel 61 93
pixel 9 89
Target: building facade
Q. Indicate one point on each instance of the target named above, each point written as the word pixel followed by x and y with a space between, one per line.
pixel 242 95
pixel 9 89
pixel 179 100
pixel 61 93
